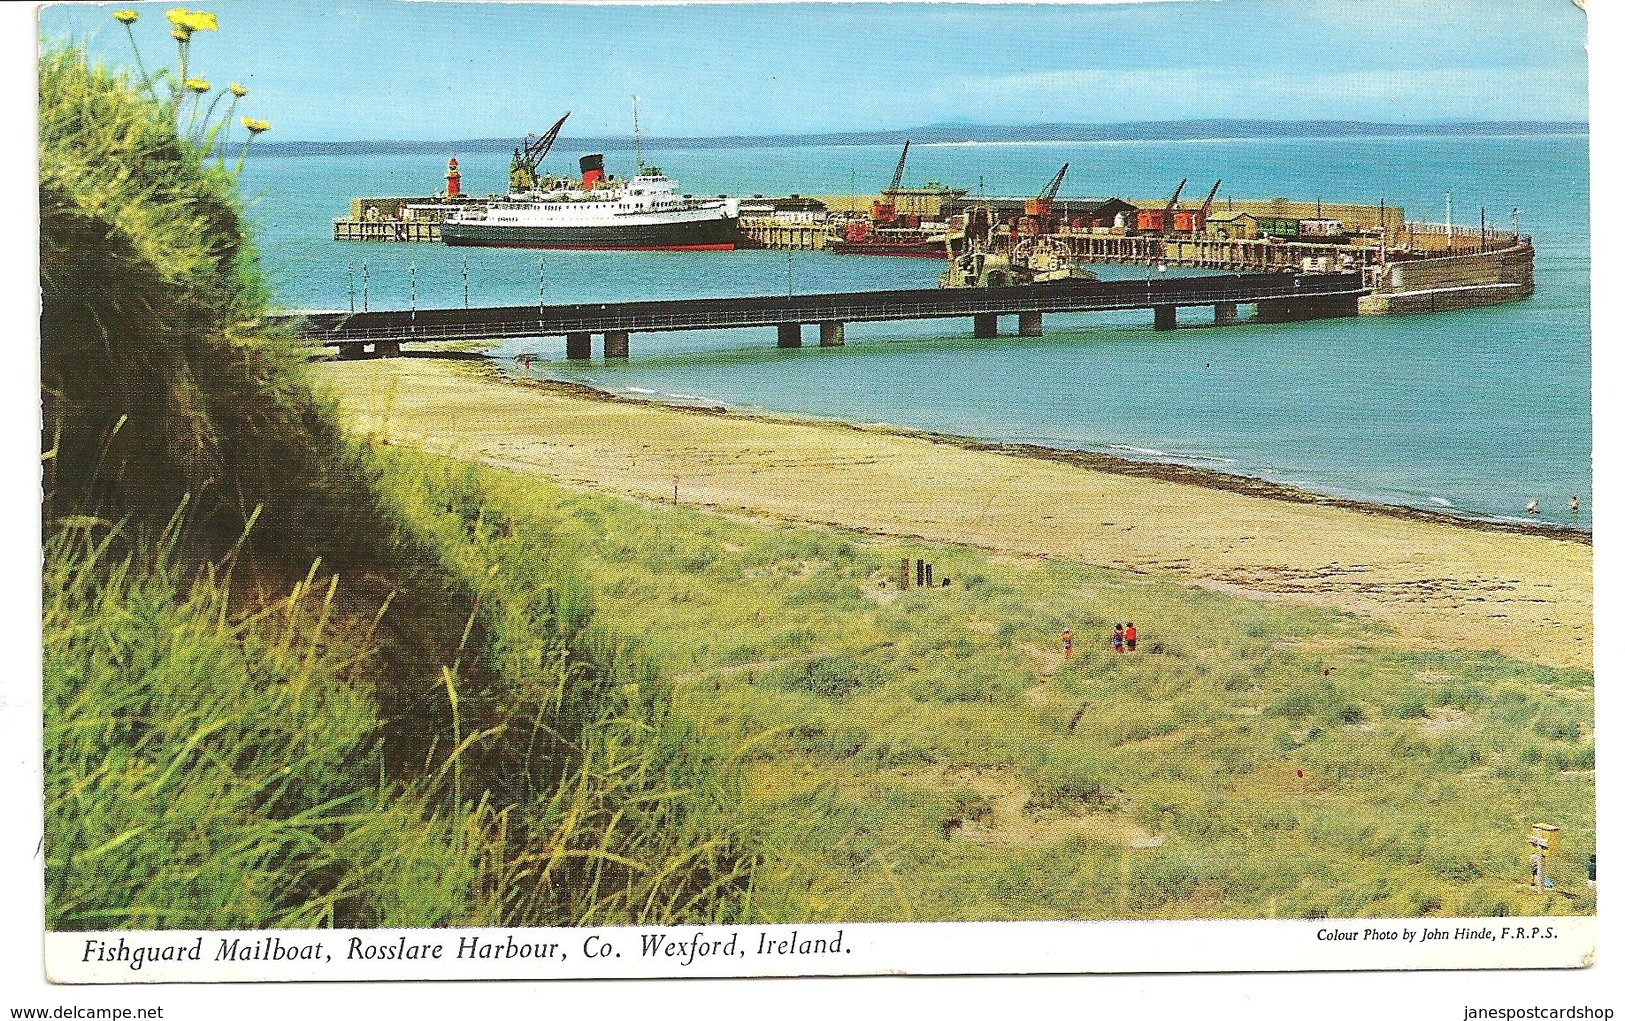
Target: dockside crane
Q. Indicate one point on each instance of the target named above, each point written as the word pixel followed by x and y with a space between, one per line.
pixel 885 208
pixel 1044 201
pixel 522 174
pixel 1207 203
pixel 1201 217
pixel 1173 203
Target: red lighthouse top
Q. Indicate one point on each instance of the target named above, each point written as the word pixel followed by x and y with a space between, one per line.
pixel 454 179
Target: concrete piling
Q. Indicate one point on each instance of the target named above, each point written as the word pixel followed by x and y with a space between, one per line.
pixel 789 334
pixel 1166 317
pixel 578 346
pixel 1225 313
pixel 985 325
pixel 1030 324
pixel 617 344
pixel 387 348
pixel 831 334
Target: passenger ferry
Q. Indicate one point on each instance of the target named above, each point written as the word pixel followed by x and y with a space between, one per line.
pixel 645 213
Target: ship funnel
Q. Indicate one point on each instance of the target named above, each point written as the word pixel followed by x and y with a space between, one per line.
pixel 592 170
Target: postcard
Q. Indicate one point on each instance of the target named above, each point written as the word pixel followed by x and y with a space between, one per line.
pixel 572 491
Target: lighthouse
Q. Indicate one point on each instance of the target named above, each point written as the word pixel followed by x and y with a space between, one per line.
pixel 454 179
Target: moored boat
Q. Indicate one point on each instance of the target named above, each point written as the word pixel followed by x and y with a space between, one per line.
pixel 643 213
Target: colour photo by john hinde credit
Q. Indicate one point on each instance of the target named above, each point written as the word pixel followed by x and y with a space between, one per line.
pixel 600 491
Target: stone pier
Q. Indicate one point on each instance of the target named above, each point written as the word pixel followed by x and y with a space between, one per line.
pixel 578 346
pixel 617 344
pixel 349 352
pixel 387 348
pixel 1030 324
pixel 985 325
pixel 831 334
pixel 1225 313
pixel 789 334
pixel 1166 317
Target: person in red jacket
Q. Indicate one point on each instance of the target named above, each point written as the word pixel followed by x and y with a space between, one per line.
pixel 1129 636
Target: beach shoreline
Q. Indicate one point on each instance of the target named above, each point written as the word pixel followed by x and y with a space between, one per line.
pixel 1166 471
pixel 1440 580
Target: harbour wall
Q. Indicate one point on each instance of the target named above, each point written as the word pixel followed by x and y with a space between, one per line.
pixel 1457 281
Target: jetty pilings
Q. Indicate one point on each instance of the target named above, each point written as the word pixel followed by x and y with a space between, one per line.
pixel 789 335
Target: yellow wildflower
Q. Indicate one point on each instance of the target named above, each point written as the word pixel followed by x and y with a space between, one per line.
pixel 127 17
pixel 192 21
pixel 238 90
pixel 182 34
pixel 254 126
pixel 198 85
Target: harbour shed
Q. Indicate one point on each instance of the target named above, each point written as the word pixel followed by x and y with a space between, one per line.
pixel 1232 224
pixel 1097 213
pixel 794 208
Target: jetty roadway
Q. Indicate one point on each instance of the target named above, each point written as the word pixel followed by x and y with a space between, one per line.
pixel 1278 297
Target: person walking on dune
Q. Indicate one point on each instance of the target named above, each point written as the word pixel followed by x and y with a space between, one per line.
pixel 1129 636
pixel 1066 643
pixel 1117 639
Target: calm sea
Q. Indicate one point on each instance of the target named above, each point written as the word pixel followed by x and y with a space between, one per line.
pixel 1478 411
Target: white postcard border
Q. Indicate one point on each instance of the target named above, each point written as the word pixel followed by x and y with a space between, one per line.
pixel 738 951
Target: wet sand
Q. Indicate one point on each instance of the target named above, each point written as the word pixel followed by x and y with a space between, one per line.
pixel 1446 581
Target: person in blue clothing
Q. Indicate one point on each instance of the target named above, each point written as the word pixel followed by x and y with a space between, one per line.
pixel 1117 639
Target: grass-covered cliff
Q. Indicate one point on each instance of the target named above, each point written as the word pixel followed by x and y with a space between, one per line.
pixel 273 694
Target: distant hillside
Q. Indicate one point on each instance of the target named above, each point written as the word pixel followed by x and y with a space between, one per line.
pixel 954 132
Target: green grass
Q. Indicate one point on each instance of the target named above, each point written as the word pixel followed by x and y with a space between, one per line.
pixel 1159 784
pixel 208 766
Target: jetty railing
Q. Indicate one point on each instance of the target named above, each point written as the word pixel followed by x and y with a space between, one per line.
pixel 342 328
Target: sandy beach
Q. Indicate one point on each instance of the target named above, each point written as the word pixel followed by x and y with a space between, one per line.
pixel 1443 583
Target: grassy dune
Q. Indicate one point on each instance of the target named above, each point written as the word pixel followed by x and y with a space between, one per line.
pixel 272 697
pixel 929 754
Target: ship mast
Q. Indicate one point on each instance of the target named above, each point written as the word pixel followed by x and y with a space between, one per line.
pixel 637 139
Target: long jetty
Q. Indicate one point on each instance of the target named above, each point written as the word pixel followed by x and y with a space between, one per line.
pixel 1278 297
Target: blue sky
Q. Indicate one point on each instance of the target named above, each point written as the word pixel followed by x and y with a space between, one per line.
pixel 358 69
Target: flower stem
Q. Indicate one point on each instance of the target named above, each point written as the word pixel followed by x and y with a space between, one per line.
pixel 180 80
pixel 141 66
pixel 225 139
pixel 201 125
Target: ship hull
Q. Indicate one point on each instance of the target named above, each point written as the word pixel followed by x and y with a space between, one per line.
pixel 720 234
